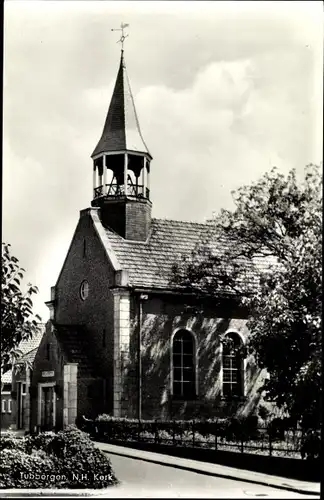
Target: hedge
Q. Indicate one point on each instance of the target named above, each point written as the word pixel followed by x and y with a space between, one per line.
pixel 238 432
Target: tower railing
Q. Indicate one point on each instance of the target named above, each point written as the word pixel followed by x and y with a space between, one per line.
pixel 116 190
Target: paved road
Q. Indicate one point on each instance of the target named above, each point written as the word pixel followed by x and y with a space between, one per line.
pixel 145 479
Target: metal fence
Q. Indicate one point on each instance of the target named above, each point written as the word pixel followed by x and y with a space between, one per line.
pixel 196 434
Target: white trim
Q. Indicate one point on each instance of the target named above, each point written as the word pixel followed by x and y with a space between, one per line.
pixel 125 174
pixel 9 406
pixel 144 179
pixel 84 290
pixel 94 180
pixel 148 176
pixel 104 184
pixel 195 357
pixel 121 152
pixel 243 373
pixel 3 406
pixel 234 330
pixel 104 239
pixel 39 405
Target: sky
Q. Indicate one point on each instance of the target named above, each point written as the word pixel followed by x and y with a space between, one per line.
pixel 223 90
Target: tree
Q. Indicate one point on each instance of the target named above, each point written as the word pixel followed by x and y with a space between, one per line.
pixel 267 253
pixel 17 320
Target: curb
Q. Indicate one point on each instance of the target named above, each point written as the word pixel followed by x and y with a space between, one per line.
pixel 283 486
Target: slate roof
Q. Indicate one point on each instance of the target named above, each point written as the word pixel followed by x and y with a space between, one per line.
pixel 150 263
pixel 121 129
pixel 76 348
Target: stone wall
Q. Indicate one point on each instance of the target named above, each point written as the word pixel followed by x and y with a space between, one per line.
pixel 70 394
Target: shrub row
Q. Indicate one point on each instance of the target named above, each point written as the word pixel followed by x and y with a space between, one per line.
pixel 234 428
pixel 193 432
pixel 67 459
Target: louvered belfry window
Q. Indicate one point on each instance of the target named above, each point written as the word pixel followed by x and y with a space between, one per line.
pixel 232 366
pixel 184 365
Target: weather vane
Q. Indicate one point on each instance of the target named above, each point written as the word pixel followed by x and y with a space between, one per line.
pixel 123 36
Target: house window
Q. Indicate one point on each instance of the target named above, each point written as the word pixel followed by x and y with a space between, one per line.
pixel 23 387
pixel 3 406
pixel 233 366
pixel 9 406
pixel 84 290
pixel 183 365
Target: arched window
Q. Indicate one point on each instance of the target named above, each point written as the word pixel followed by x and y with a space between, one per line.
pixel 233 366
pixel 183 365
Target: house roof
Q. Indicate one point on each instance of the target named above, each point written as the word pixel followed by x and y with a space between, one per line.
pixel 121 130
pixel 29 356
pixel 77 348
pixel 26 346
pixel 6 378
pixel 150 263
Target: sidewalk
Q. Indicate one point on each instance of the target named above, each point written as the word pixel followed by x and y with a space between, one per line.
pixel 303 487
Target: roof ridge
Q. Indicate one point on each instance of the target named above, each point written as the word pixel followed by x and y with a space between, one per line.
pixel 181 221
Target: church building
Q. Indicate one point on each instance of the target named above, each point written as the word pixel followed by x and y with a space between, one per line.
pixel 122 338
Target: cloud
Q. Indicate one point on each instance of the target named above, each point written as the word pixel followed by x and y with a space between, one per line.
pixel 242 117
pixel 223 91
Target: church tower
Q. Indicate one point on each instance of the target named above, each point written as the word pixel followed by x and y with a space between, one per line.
pixel 121 166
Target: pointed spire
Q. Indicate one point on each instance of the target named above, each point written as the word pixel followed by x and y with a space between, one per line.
pixel 121 131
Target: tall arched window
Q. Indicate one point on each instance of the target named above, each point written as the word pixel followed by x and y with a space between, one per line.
pixel 233 366
pixel 183 365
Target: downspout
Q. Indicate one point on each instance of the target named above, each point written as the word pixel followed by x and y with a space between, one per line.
pixel 140 315
pixel 140 321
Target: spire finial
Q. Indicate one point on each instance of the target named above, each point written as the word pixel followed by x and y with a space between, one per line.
pixel 123 36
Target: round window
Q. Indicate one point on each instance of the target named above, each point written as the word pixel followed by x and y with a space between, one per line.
pixel 84 290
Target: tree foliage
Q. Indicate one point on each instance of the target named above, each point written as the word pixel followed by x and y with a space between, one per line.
pixel 267 252
pixel 17 320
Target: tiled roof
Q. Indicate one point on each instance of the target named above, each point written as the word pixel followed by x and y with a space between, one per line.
pixel 121 130
pixel 6 378
pixel 77 348
pixel 29 356
pixel 28 345
pixel 150 263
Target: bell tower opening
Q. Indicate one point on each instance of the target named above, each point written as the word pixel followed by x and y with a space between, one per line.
pixel 121 166
pixel 123 174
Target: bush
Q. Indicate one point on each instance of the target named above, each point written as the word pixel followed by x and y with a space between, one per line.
pixel 67 459
pixel 231 429
pixel 311 445
pixel 10 442
pixel 23 470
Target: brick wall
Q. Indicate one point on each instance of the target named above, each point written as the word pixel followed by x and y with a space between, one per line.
pixel 129 218
pixel 138 219
pixel 49 357
pixel 161 317
pixel 86 260
pixel 91 399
